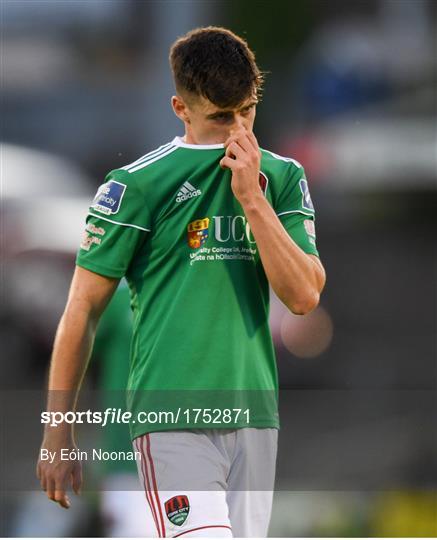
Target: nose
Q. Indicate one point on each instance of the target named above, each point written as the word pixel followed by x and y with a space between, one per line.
pixel 239 121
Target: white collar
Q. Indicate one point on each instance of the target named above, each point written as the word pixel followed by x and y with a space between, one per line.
pixel 179 142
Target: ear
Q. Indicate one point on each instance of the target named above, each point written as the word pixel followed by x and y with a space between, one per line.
pixel 180 109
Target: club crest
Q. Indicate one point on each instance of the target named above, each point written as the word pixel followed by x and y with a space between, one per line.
pixel 198 232
pixel 177 509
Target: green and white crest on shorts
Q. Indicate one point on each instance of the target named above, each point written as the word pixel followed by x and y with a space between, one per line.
pixel 177 509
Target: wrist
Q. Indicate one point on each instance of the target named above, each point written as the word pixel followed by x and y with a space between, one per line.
pixel 251 201
pixel 58 436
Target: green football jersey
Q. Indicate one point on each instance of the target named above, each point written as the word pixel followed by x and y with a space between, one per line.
pixel 171 225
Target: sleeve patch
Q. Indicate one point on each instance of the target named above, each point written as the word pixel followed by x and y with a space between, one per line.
pixel 306 197
pixel 310 227
pixel 95 230
pixel 88 240
pixel 108 197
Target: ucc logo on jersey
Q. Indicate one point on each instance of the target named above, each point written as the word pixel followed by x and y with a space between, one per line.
pixel 198 232
pixel 223 229
pixel 177 509
pixel 108 197
pixel 234 228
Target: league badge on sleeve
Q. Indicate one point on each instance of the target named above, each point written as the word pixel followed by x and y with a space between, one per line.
pixel 108 197
pixel 306 197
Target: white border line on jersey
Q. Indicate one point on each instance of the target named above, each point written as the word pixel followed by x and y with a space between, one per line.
pixel 282 158
pixel 118 222
pixel 295 212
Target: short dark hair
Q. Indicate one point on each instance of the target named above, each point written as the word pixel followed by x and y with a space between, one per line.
pixel 215 63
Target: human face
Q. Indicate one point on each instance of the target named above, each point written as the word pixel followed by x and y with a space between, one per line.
pixel 205 123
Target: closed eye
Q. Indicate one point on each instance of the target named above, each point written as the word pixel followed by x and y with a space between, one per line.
pixel 247 109
pixel 222 117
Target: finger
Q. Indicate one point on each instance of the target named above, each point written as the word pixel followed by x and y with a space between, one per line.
pixel 236 150
pixel 253 140
pixel 227 163
pixel 244 142
pixel 43 481
pixel 50 489
pixel 76 479
pixel 62 498
pixel 239 137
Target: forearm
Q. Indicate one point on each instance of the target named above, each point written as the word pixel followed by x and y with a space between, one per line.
pixel 293 275
pixel 71 353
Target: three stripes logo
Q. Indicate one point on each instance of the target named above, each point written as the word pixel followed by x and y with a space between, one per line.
pixel 187 191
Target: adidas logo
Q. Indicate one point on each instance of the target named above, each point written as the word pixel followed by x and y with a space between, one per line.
pixel 187 191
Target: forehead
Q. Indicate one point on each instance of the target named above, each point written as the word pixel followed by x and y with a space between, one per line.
pixel 205 106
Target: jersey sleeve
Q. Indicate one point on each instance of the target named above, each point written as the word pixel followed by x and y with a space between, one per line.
pixel 117 224
pixel 295 209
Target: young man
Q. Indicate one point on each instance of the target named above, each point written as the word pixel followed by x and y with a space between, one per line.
pixel 200 227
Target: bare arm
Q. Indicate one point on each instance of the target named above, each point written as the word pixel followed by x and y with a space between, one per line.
pixel 296 277
pixel 88 297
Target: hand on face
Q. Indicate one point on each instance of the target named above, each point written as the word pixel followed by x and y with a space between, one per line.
pixel 243 157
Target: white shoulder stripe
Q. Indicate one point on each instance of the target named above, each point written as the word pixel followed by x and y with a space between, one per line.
pixel 118 222
pixel 156 158
pixel 295 212
pixel 151 154
pixel 282 158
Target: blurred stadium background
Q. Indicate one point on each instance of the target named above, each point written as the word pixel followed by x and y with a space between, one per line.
pixel 351 93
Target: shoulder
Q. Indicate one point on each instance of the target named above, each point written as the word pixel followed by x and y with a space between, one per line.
pixel 130 185
pixel 279 165
pixel 132 175
pixel 288 183
pixel 157 156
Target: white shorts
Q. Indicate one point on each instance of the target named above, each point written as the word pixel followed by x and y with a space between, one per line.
pixel 208 482
pixel 122 507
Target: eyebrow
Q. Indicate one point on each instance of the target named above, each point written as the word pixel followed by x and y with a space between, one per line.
pixel 228 112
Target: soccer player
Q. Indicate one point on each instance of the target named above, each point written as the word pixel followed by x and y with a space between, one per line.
pixel 200 228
